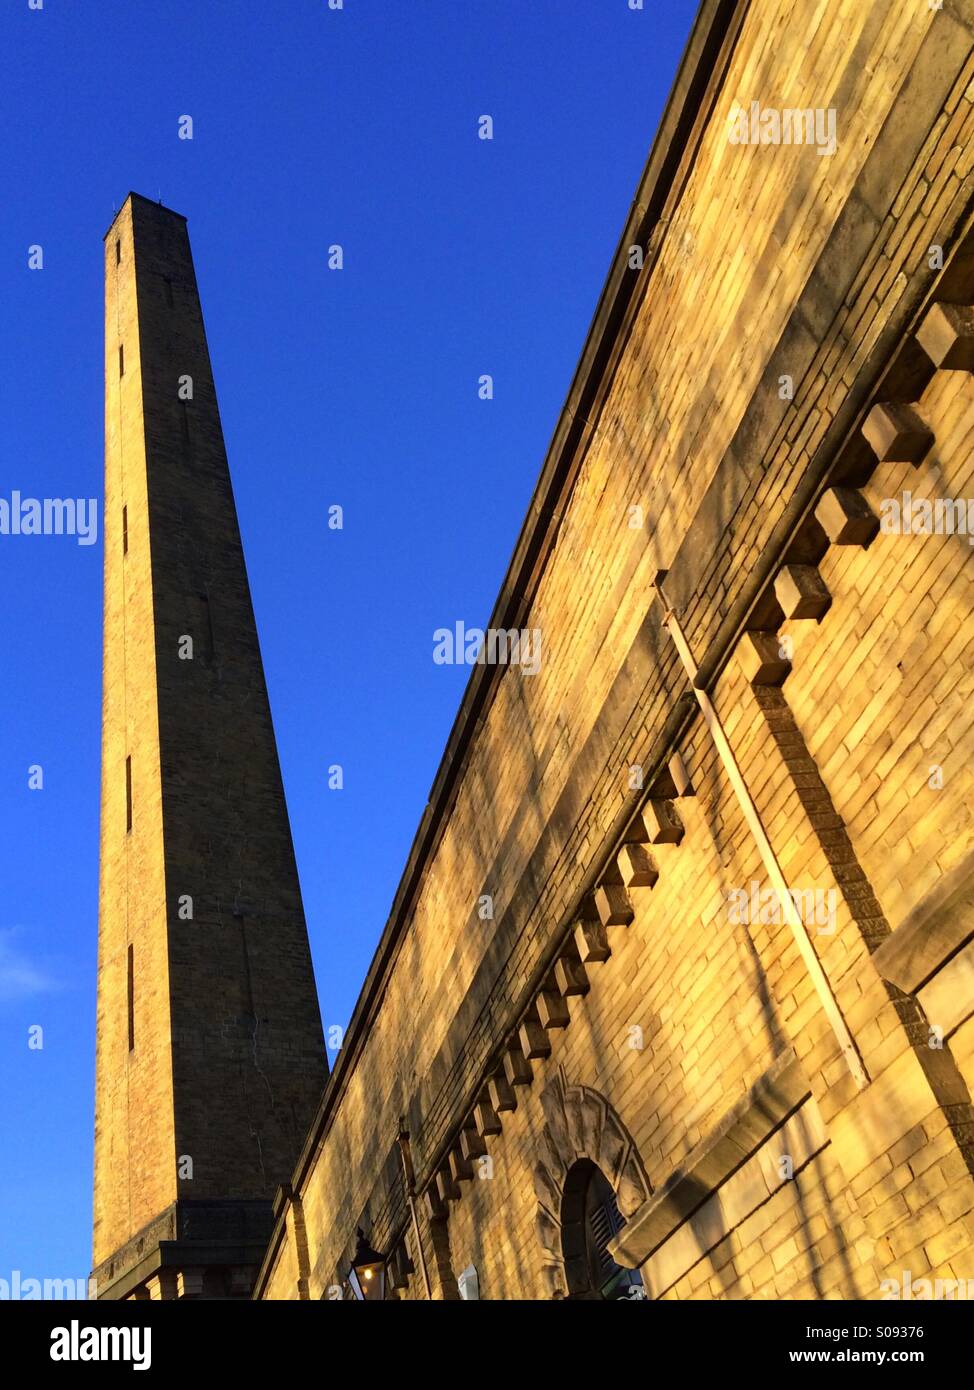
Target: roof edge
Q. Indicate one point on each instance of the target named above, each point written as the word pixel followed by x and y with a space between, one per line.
pixel 716 23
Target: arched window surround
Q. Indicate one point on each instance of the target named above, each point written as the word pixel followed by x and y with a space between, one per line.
pixel 580 1123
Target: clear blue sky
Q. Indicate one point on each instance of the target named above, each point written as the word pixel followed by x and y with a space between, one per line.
pixel 357 387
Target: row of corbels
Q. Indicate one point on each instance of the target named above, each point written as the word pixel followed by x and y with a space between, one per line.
pixel 607 907
pixel 895 432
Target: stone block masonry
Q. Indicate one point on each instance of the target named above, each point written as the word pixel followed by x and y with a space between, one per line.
pixel 774 1115
pixel 210 1054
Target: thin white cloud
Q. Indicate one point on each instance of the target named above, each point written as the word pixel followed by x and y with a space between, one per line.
pixel 20 977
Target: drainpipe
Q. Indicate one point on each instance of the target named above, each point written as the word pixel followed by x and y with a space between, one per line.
pixel 410 1183
pixel 812 963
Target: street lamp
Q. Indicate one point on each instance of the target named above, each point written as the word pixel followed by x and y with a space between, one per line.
pixel 367 1275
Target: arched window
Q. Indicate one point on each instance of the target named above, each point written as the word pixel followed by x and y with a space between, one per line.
pixel 589 1220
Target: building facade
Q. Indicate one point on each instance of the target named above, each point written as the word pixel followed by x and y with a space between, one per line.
pixel 677 993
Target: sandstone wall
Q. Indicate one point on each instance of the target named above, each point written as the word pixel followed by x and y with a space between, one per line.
pixel 762 264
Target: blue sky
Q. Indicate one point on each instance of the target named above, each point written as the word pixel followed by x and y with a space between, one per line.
pixel 359 387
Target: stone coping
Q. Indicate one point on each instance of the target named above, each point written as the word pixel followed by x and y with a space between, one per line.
pixel 739 1134
pixel 936 929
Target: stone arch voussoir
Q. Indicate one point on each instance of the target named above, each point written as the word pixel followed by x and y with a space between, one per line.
pixel 580 1123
